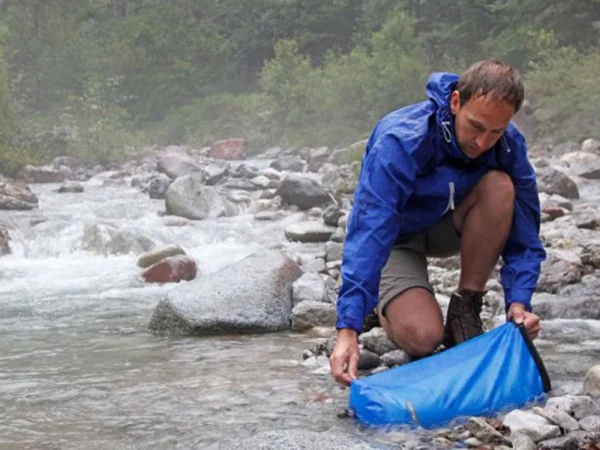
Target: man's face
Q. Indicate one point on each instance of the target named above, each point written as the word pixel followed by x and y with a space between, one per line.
pixel 480 122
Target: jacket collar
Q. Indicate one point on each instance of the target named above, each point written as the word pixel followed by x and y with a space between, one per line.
pixel 446 132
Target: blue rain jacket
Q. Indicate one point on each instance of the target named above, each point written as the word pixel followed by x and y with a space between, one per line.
pixel 413 173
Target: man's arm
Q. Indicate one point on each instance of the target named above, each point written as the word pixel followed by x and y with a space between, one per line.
pixel 523 252
pixel 386 181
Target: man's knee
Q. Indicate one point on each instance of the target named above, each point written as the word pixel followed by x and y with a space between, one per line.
pixel 419 340
pixel 497 186
pixel 414 321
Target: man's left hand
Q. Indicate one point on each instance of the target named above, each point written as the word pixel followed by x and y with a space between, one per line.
pixel 530 321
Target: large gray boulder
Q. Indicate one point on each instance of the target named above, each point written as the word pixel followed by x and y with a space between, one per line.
pixel 176 165
pixel 302 191
pixel 554 181
pixel 252 295
pixel 187 198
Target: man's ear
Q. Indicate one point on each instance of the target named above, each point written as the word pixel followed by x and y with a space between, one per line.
pixel 455 102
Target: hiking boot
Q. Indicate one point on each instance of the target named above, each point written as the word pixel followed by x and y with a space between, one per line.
pixel 463 320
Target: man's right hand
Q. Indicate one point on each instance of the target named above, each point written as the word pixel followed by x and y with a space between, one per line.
pixel 345 352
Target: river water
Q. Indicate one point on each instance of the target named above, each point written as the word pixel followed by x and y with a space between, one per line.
pixel 78 368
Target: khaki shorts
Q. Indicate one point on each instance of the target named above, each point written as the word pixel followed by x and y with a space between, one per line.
pixel 407 265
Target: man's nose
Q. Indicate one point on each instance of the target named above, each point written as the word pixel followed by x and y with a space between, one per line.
pixel 483 141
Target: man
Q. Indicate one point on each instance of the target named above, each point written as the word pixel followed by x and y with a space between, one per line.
pixel 443 176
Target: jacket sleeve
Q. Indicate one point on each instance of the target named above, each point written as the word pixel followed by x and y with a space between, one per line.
pixel 523 252
pixel 385 183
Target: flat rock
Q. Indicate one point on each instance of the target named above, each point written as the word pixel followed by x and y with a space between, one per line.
pixel 310 231
pixel 558 417
pixel 578 406
pixel 536 427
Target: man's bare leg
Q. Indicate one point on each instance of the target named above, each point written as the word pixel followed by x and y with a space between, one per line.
pixel 484 221
pixel 413 319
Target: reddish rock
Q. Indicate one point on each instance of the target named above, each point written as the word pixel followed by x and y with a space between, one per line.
pixel 229 149
pixel 171 270
pixel 554 211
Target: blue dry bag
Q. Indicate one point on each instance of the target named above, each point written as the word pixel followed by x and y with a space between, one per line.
pixel 497 370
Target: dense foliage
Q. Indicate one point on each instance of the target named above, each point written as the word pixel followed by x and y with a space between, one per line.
pixel 119 74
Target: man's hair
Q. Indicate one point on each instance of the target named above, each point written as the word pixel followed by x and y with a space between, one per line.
pixel 493 77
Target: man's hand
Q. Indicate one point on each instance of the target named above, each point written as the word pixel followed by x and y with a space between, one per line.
pixel 530 321
pixel 345 352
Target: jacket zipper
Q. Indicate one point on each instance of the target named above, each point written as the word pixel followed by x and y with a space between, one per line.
pixel 451 200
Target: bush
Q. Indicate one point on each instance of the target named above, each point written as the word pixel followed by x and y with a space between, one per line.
pixel 12 160
pixel 222 116
pixel 339 103
pixel 564 80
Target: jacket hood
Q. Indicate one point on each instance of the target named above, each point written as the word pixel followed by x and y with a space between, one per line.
pixel 439 88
